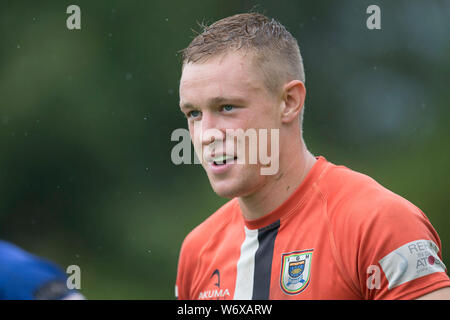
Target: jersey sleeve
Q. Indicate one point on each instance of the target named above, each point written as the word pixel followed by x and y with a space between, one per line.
pixel 398 252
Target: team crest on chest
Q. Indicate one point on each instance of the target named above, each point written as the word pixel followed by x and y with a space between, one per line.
pixel 295 271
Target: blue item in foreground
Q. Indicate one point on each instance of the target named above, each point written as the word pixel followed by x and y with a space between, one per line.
pixel 24 276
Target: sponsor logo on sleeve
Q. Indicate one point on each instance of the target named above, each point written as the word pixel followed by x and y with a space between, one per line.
pixel 216 292
pixel 411 261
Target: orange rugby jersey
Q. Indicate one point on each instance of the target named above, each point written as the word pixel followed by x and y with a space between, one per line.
pixel 340 235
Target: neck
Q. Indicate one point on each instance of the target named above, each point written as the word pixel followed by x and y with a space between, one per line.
pixel 294 167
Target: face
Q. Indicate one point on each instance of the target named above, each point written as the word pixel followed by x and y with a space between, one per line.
pixel 218 97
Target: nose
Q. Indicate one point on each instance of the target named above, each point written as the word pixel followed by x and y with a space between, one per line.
pixel 210 130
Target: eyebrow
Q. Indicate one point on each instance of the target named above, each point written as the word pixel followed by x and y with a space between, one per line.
pixel 215 101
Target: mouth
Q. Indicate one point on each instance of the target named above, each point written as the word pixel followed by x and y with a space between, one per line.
pixel 223 160
pixel 220 160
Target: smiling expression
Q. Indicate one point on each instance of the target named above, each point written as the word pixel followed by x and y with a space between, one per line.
pixel 226 92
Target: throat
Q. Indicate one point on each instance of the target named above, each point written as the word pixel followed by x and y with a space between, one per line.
pixel 275 190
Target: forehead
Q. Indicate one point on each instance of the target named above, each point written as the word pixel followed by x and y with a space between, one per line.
pixel 232 74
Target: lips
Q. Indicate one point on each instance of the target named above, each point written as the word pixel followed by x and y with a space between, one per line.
pixel 223 159
pixel 220 164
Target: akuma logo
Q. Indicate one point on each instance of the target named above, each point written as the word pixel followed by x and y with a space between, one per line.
pixel 214 293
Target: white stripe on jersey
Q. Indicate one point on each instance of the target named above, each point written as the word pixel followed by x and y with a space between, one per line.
pixel 246 266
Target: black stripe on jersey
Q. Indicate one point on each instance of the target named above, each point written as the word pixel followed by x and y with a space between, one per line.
pixel 263 261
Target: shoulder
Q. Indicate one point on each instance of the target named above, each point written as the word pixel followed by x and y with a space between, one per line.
pixel 372 226
pixel 363 213
pixel 211 227
pixel 356 198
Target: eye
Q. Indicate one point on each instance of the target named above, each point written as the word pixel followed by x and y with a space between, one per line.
pixel 228 107
pixel 193 114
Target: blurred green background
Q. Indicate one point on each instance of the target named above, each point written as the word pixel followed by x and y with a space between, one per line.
pixel 86 116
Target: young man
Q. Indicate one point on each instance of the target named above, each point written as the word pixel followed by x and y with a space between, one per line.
pixel 311 230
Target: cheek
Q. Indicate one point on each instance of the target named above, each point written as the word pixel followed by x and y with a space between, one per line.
pixel 195 132
pixel 264 116
pixel 196 142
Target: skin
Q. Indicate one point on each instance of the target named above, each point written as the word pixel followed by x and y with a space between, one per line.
pixel 231 80
pixel 226 92
pixel 439 294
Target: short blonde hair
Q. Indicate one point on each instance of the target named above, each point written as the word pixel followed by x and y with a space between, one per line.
pixel 276 52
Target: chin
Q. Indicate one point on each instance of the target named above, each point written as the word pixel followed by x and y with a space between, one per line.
pixel 226 192
pixel 238 183
pixel 230 190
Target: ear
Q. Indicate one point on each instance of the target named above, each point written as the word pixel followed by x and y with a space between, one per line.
pixel 294 94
